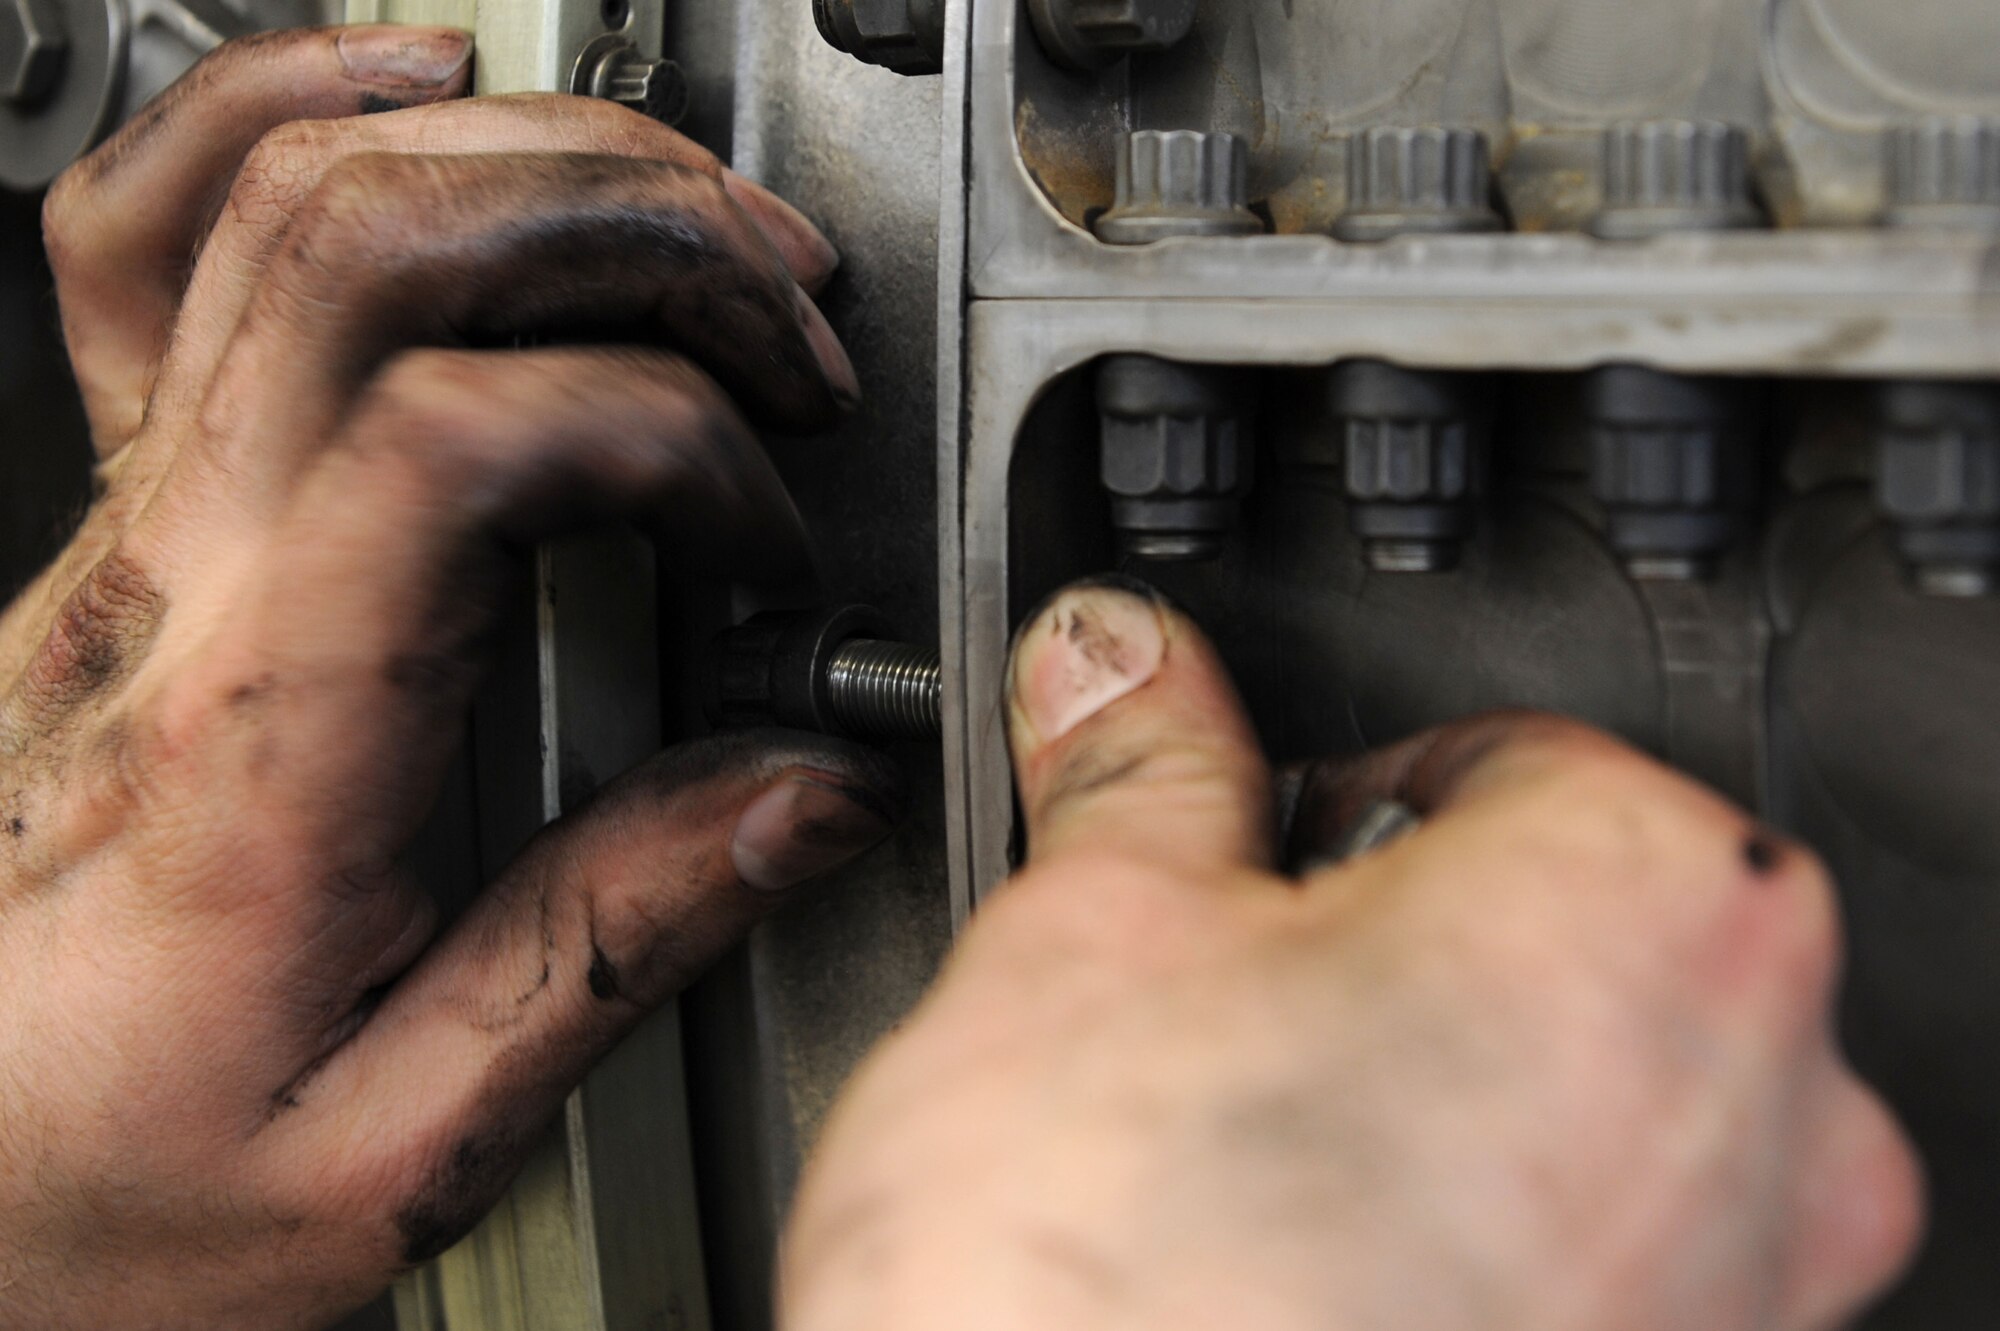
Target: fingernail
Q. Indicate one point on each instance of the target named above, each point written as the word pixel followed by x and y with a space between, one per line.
pixel 1093 645
pixel 806 250
pixel 808 823
pixel 833 361
pixel 409 57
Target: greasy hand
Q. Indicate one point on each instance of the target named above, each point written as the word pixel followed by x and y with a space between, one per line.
pixel 1558 1061
pixel 245 1077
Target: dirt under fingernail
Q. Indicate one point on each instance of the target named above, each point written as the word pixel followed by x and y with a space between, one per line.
pixel 1093 646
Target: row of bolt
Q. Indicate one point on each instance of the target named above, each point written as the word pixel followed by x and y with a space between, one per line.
pixel 1659 177
pixel 1674 464
pixel 1672 457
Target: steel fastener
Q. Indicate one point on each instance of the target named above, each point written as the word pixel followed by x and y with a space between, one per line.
pixel 1177 454
pixel 1411 448
pixel 1673 464
pixel 837 671
pixel 1090 34
pixel 33 46
pixel 1417 180
pixel 1662 176
pixel 906 36
pixel 1180 183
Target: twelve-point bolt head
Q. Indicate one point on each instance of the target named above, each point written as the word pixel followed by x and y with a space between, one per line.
pixel 1938 483
pixel 1177 455
pixel 1180 183
pixel 33 44
pixel 1410 446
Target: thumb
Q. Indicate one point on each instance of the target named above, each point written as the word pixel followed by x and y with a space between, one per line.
pixel 1128 736
pixel 607 914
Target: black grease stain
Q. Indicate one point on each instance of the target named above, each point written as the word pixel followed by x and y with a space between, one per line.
pixel 287 1097
pixel 604 983
pixel 1762 854
pixel 453 1201
pixel 534 990
pixel 17 826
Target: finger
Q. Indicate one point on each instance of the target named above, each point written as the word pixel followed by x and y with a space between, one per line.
pixel 290 162
pixel 1326 801
pixel 397 251
pixel 1128 737
pixel 330 690
pixel 606 915
pixel 124 224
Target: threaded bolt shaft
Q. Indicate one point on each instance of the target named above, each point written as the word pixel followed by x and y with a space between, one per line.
pixel 886 690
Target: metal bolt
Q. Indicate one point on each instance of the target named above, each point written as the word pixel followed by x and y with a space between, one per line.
pixel 886 690
pixel 1938 482
pixel 1177 455
pixel 1673 464
pixel 1090 34
pixel 1662 176
pixel 1180 183
pixel 1411 448
pixel 836 671
pixel 33 47
pixel 1414 181
pixel 611 67
pixel 1945 173
pixel 906 36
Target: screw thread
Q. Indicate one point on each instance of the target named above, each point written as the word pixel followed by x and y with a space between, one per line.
pixel 886 690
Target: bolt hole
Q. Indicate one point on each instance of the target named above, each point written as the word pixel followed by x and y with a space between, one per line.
pixel 617 13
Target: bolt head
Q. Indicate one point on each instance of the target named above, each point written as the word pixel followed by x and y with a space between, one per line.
pixel 1180 183
pixel 1938 453
pixel 1662 176
pixel 1175 457
pixel 1658 466
pixel 1414 180
pixel 906 36
pixel 1090 34
pixel 33 45
pixel 1408 461
pixel 1945 172
pixel 656 88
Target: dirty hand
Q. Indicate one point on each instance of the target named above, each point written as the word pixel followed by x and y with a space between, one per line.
pixel 1558 1061
pixel 245 1074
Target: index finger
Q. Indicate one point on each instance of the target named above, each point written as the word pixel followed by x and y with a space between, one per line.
pixel 1129 738
pixel 123 223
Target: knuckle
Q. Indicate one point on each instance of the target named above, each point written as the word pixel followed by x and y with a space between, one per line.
pixel 426 404
pixel 1588 751
pixel 430 381
pixel 363 208
pixel 277 172
pixel 62 209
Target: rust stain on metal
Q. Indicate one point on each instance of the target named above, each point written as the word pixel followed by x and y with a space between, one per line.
pixel 1076 167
